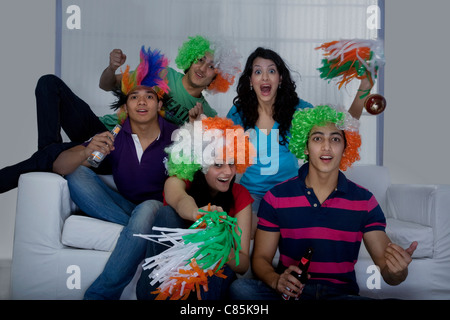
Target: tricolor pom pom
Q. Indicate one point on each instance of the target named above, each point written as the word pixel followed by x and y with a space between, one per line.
pixel 196 254
pixel 346 60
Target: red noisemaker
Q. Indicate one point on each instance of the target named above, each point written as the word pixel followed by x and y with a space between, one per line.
pixel 375 104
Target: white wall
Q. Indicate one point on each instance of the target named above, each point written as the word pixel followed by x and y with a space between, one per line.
pixel 416 144
pixel 416 75
pixel 293 28
pixel 27 36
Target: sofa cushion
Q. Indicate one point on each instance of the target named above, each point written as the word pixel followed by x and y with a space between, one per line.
pixel 90 233
pixel 404 233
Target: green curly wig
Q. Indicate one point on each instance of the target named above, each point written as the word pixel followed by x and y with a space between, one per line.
pixel 304 120
pixel 184 168
pixel 191 51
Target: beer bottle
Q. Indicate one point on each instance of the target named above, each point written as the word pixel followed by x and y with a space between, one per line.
pixel 303 265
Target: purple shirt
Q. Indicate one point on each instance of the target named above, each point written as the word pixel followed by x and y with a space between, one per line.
pixel 145 180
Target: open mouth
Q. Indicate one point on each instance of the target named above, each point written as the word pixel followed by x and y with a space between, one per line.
pixel 265 89
pixel 142 111
pixel 326 158
pixel 223 179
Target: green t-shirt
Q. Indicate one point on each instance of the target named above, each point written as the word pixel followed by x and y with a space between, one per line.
pixel 109 120
pixel 178 105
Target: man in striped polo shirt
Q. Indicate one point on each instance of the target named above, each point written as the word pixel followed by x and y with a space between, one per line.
pixel 322 209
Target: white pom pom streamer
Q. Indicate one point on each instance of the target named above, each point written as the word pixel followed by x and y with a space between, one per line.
pixel 193 255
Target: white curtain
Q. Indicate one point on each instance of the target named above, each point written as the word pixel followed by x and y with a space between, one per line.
pixel 293 28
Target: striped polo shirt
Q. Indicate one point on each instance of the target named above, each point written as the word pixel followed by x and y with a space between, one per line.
pixel 334 229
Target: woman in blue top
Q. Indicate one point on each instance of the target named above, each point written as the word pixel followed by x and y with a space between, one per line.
pixel 265 103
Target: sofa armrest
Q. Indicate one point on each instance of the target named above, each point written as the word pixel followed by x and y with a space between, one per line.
pixel 43 204
pixel 427 205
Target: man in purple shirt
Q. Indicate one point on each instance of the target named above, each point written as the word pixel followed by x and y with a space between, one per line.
pixel 136 155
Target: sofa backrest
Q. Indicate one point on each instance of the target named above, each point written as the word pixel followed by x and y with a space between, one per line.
pixel 374 178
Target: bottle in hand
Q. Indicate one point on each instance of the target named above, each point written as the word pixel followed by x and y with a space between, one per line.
pixel 303 265
pixel 97 157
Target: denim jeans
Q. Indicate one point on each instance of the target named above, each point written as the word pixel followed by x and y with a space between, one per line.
pixel 97 200
pixel 253 289
pixel 169 218
pixel 57 107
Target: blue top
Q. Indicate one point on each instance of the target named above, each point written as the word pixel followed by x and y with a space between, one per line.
pixel 140 181
pixel 274 163
pixel 334 229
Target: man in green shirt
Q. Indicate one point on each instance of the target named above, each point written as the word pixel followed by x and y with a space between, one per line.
pixel 205 67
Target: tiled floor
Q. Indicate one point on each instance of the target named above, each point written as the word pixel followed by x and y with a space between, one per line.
pixel 5 271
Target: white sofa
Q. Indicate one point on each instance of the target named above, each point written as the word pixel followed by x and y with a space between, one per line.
pixel 57 254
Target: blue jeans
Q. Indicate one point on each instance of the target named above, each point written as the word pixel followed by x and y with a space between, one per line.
pixel 253 289
pixel 97 200
pixel 169 218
